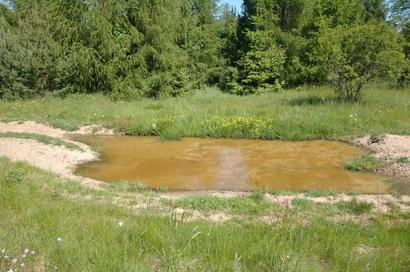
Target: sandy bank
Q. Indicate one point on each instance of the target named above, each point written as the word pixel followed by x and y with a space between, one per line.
pixel 57 159
pixel 390 148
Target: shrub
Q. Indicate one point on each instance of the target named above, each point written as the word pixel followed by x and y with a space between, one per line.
pixel 361 53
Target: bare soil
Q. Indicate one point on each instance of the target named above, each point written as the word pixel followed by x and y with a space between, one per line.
pixel 389 148
pixel 57 159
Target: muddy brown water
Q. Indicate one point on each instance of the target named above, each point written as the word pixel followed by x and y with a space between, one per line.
pixel 226 164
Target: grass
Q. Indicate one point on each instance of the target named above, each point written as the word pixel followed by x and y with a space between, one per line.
pixel 133 187
pixel 252 205
pixel 320 193
pixel 41 139
pixel 404 160
pixel 300 114
pixel 364 163
pixel 70 234
pixel 356 207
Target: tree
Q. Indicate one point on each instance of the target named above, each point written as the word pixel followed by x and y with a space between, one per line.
pixel 290 13
pixel 156 48
pixel 361 53
pixel 228 21
pixel 399 12
pixel 374 10
pixel 29 58
pixel 400 18
pixel 262 65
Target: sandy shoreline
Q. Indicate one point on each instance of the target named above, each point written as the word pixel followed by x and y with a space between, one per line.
pixel 63 161
pixel 390 148
pixel 57 159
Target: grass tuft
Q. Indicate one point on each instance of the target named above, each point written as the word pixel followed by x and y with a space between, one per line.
pixel 320 193
pixel 404 160
pixel 254 204
pixel 41 139
pixel 355 206
pixel 133 187
pixel 364 163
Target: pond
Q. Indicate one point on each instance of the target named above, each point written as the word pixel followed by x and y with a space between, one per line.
pixel 227 164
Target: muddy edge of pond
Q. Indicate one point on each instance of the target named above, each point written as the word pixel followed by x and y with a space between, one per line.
pixel 63 161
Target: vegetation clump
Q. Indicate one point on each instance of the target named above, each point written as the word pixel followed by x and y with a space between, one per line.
pixel 356 207
pixel 40 138
pixel 364 163
pixel 361 53
pixel 254 204
pixel 403 160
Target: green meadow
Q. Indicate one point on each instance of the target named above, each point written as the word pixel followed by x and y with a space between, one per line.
pixel 297 114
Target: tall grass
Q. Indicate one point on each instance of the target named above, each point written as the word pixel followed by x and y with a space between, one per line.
pixel 300 114
pixel 69 234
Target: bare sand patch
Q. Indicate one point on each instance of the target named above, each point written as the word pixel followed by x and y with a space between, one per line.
pixel 57 159
pixel 390 148
pixel 32 127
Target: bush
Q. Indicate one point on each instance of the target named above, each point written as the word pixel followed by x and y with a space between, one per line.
pixel 361 53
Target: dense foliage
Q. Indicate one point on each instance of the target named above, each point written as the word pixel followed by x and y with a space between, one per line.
pixel 155 48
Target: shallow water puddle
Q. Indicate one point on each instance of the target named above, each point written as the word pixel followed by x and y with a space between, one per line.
pixel 206 164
